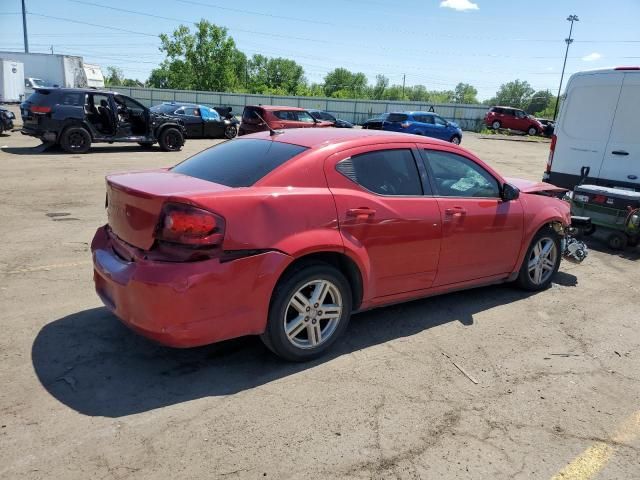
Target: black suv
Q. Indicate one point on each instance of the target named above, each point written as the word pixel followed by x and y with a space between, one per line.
pixel 74 118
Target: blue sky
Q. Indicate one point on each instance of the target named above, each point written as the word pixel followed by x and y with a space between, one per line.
pixel 437 43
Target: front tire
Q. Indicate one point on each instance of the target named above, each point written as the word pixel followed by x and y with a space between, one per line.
pixel 541 262
pixel 171 140
pixel 455 140
pixel 532 131
pixel 310 309
pixel 75 140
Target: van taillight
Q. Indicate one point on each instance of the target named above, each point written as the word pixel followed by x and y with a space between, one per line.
pixel 40 109
pixel 552 150
pixel 189 225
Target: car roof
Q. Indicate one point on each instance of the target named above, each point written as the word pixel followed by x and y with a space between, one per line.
pixel 79 90
pixel 276 107
pixel 344 137
pixel 510 108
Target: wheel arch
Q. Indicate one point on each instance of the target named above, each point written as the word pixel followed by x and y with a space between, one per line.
pixel 338 259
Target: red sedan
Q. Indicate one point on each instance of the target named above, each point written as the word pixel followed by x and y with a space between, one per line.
pixel 285 235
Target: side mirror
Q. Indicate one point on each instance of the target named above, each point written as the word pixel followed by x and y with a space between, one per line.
pixel 509 192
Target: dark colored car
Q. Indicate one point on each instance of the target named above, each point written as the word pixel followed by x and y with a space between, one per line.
pixel 549 126
pixel 276 118
pixel 201 121
pixel 6 119
pixel 75 118
pixel 285 235
pixel 514 119
pixel 375 123
pixel 327 117
pixel 427 124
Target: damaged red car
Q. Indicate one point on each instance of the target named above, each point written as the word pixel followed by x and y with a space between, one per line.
pixel 286 234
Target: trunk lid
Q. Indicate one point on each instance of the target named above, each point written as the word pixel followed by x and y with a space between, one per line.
pixel 135 200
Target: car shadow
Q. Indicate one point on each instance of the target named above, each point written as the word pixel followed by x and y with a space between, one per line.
pixel 92 363
pixel 45 149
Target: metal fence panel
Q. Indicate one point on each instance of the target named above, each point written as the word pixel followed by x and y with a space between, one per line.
pixel 469 117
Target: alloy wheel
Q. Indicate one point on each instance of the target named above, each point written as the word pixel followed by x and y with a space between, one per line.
pixel 76 141
pixel 312 314
pixel 542 260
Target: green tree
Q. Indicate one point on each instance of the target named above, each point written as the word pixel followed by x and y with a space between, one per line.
pixel 274 75
pixel 341 83
pixel 206 59
pixel 540 101
pixel 115 77
pixel 378 90
pixel 513 94
pixel 465 93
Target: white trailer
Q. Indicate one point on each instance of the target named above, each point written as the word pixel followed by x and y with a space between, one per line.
pixel 95 79
pixel 54 70
pixel 11 81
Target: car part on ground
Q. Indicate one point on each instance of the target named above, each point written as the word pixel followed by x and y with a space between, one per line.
pixel 314 224
pixel 261 118
pixel 201 121
pixel 427 124
pixel 76 118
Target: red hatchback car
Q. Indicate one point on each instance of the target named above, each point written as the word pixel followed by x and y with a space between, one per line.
pixel 513 118
pixel 286 235
pixel 277 118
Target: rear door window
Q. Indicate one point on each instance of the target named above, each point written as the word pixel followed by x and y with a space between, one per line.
pixel 250 115
pixel 239 162
pixel 385 172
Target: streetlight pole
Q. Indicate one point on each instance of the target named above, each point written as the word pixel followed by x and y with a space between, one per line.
pixel 570 18
pixel 24 28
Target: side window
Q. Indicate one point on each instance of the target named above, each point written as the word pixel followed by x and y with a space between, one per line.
pixel 440 121
pixel 385 172
pixel 303 117
pixel 76 99
pixel 191 111
pixel 511 113
pixel 457 176
pixel 180 111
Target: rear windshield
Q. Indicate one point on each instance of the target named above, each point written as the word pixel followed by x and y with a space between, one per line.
pixel 40 97
pixel 239 162
pixel 397 117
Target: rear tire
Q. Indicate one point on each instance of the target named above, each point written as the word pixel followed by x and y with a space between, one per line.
pixel 541 261
pixel 496 125
pixel 171 140
pixel 75 140
pixel 617 241
pixel 310 308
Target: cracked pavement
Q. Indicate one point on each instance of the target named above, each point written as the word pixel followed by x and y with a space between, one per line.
pixel 83 397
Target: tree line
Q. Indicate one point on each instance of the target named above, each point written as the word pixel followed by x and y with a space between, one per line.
pixel 207 59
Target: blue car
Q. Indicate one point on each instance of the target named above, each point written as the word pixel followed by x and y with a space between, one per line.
pixel 423 123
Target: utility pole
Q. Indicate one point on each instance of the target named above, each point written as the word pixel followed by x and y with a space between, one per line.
pixel 24 28
pixel 404 77
pixel 570 18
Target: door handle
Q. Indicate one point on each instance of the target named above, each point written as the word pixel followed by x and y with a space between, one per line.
pixel 362 211
pixel 455 211
pixel 620 152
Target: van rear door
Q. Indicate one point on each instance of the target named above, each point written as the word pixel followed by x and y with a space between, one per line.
pixel 584 126
pixel 621 165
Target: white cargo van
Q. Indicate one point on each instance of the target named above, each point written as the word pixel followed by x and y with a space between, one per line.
pixel 598 127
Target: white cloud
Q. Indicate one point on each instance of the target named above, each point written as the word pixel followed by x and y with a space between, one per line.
pixel 592 57
pixel 460 5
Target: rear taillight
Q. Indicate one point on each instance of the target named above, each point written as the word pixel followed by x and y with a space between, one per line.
pixel 404 124
pixel 188 225
pixel 552 150
pixel 40 109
